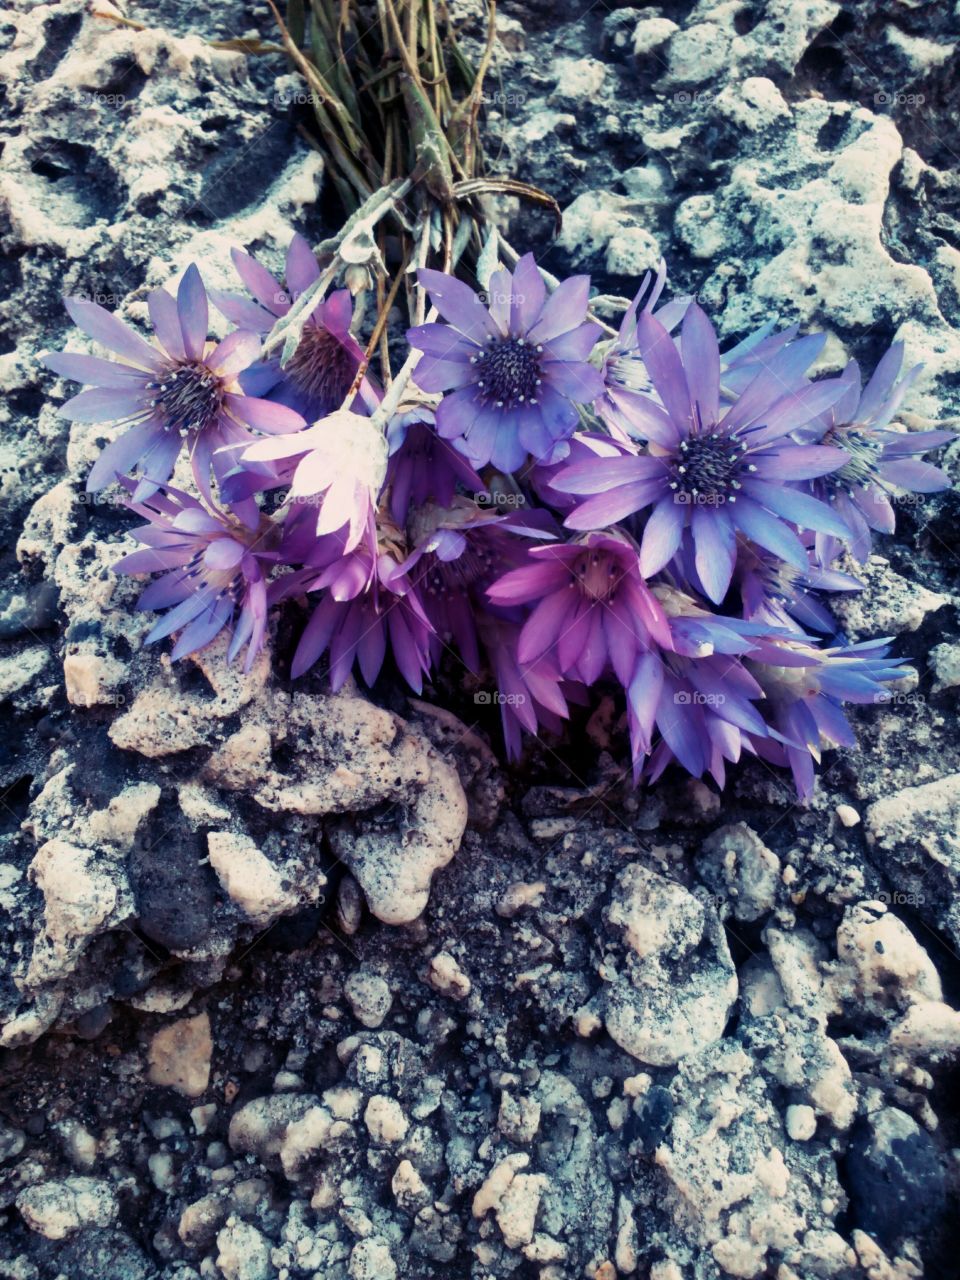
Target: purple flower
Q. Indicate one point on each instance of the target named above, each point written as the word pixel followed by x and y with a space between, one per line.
pixel 877 462
pixel 625 378
pixel 698 697
pixel 516 371
pixel 804 688
pixel 341 469
pixel 175 394
pixel 781 595
pixel 627 384
pixel 745 359
pixel 593 610
pixel 530 697
pixel 422 467
pixel 458 552
pixel 213 568
pixel 366 602
pixel 584 447
pixel 714 474
pixel 316 379
pixel 732 686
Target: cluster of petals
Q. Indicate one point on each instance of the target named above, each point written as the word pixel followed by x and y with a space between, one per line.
pixel 557 507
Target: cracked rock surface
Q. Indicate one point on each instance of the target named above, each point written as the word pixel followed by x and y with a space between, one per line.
pixel 298 986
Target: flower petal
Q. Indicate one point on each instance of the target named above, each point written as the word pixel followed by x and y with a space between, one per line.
pixel 433 374
pixel 241 311
pixel 768 531
pixel 918 477
pixel 166 322
pixel 607 508
pixel 799 508
pixel 600 474
pixel 565 309
pixel 123 455
pixel 156 465
pixel 456 413
pixel 665 368
pixel 573 378
pixel 661 537
pixel 574 345
pixel 258 280
pixel 881 384
pixel 106 329
pixel 644 419
pixel 203 629
pixel 529 295
pixel 193 312
pixel 443 341
pixel 549 619
pixel 458 304
pixel 715 543
pixel 798 462
pixel 701 362
pixel 797 408
pixel 264 415
pixel 105 404
pixel 301 268
pixel 236 352
pixel 224 553
pixel 94 371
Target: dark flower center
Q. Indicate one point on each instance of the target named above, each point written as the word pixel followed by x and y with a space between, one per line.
pixel 188 396
pixel 708 466
pixel 508 372
pixel 865 452
pixel 597 575
pixel 322 368
pixel 476 567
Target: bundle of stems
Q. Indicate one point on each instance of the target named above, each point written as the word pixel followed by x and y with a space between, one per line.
pixel 396 107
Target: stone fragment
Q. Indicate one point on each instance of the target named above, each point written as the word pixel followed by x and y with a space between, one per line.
pixel 370 1259
pixel 385 1120
pixel 254 883
pixel 519 1118
pixel 180 1054
pixel 883 963
pixel 445 975
pixel 520 895
pixel 678 983
pixel 244 1253
pixel 801 1122
pixel 741 870
pixel 409 1189
pixel 58 1209
pixel 897 1183
pixel 368 996
pixel 259 1127
pixel 80 894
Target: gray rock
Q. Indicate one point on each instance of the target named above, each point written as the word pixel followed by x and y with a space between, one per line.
pixel 741 871
pixel 678 984
pixel 897 1180
pixel 60 1209
pixel 369 998
pixel 95 1253
pixel 244 1253
pixel 915 831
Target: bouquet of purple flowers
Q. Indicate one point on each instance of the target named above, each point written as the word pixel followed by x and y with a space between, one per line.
pixel 552 504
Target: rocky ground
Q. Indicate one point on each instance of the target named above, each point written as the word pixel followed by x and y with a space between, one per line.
pixel 265 1015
